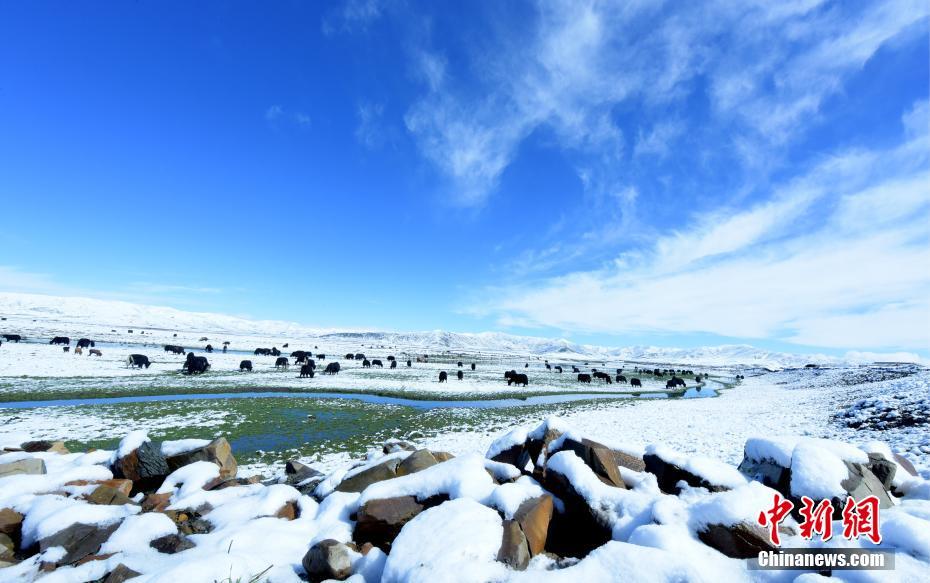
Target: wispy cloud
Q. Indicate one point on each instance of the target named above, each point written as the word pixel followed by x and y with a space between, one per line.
pixel 352 16
pixel 837 257
pixel 276 115
pixel 768 68
pixel 370 131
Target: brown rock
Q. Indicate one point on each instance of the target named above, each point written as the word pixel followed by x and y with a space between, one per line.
pixel 442 456
pixel 514 551
pixel 7 548
pixel 11 522
pixel 534 515
pixel 124 486
pixel 629 462
pixel 171 544
pixel 601 459
pixel 156 502
pixel 739 541
pixel 108 495
pixel 579 529
pixel 415 462
pixel 289 511
pixel 386 470
pixel 379 521
pixel 217 451
pixel 121 574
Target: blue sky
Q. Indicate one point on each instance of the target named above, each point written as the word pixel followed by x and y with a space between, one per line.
pixel 616 172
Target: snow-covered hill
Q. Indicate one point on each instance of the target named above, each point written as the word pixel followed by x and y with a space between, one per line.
pixel 38 314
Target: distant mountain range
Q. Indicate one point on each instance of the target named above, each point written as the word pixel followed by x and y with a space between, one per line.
pixel 112 313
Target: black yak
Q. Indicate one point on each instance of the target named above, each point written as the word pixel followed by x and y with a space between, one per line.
pixel 443 376
pixel 138 360
pixel 332 368
pixel 245 365
pixel 584 377
pixel 281 362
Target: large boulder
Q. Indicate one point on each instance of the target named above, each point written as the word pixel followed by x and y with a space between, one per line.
pixel 23 466
pixel 379 521
pixel 78 540
pixel 668 474
pixel 217 451
pixel 385 470
pixel 328 559
pixel 418 460
pixel 144 465
pixel 739 541
pixel 768 472
pixel 578 529
pixel 534 516
pixel 514 551
pixel 600 458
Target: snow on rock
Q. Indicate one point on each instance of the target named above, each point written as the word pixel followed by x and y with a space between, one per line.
pixel 131 442
pixel 817 472
pixel 136 532
pixel 461 477
pixel 179 446
pixel 47 515
pixel 455 541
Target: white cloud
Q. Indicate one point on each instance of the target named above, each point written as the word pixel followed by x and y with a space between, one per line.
pixel 369 131
pixel 274 112
pixel 352 16
pixel 853 272
pixel 770 67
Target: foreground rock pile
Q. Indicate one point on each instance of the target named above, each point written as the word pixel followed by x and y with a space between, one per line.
pixel 543 502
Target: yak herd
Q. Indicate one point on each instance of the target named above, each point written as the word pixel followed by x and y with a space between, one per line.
pixel 307 361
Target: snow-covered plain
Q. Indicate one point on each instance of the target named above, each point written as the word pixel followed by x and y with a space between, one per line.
pixel 880 407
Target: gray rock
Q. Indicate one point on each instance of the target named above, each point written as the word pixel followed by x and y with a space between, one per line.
pixel 862 483
pixel 883 469
pixel 78 540
pixel 739 541
pixel 415 462
pixel 171 544
pixel 769 473
pixel 145 466
pixel 629 462
pixel 514 551
pixel 905 464
pixel 516 455
pixel 23 466
pixel 386 470
pixel 668 475
pixel 327 559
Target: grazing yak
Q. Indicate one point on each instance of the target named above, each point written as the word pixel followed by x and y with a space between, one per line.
pixel 95 352
pixel 138 360
pixel 306 371
pixel 12 338
pixel 548 366
pixel 377 363
pixel 558 369
pixel 366 363
pixel 263 351
pixel 391 357
pixel 196 364
pixel 321 357
pixel 603 376
pixel 86 343
pixel 621 379
pixel 584 377
pixel 300 356
pixel 350 356
pixel 635 383
pixel 203 339
pixel 174 348
pixel 209 348
pixel 332 368
pixel 473 366
pixel 460 364
pixel 60 340
pixel 359 356
pixel 698 379
pixel 245 365
pixel 393 364
pixel 516 379
pixel 78 350
pixel 575 369
pixel 459 374
pixel 674 382
pixel 409 362
pixel 284 345
pixel 281 361
pixel 443 376
pixel 66 348
pixel 275 351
